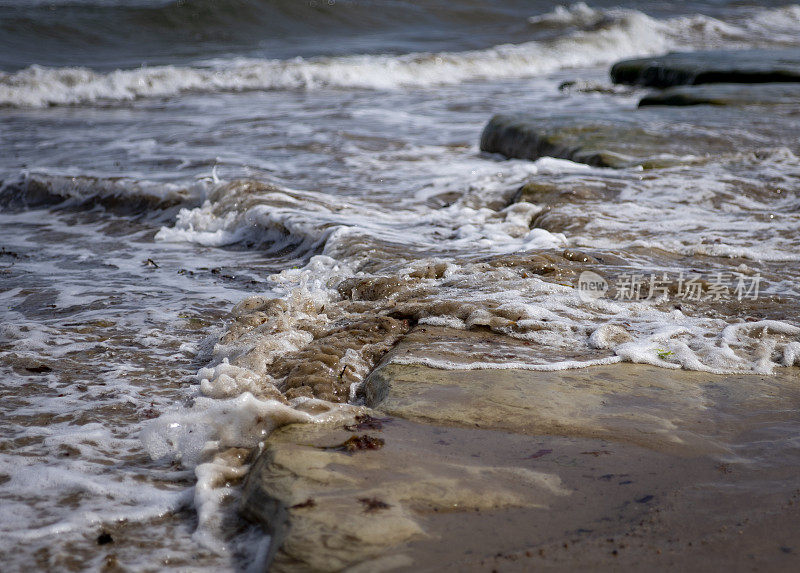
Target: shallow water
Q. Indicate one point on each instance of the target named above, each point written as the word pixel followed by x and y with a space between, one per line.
pixel 140 204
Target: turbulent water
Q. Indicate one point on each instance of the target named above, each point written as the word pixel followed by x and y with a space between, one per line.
pixel 214 211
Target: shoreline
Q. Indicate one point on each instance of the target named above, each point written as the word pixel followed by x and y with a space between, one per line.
pixel 313 275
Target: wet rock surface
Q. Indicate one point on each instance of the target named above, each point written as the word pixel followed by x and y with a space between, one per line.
pixel 608 466
pixel 526 136
pixel 684 412
pixel 715 66
pixel 329 508
pixel 649 137
pixel 726 94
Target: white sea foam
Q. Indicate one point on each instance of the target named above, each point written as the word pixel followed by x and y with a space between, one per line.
pixel 507 365
pixel 723 209
pixel 579 14
pixel 205 437
pixel 622 33
pixel 310 222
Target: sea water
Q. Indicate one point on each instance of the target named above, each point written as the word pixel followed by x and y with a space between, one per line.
pixel 213 214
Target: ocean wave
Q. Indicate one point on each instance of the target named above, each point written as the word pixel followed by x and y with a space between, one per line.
pixel 127 32
pixel 579 14
pixel 619 34
pixel 299 224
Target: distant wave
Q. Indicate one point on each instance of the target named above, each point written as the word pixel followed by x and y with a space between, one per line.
pixel 611 34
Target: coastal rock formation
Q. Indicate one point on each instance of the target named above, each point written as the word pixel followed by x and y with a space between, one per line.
pixel 526 136
pixel 474 469
pixel 358 495
pixel 637 138
pixel 659 134
pixel 715 66
pixel 725 94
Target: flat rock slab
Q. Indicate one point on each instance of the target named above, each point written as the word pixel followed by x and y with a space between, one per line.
pixel 329 509
pixel 597 142
pixel 624 140
pixel 436 497
pixel 705 67
pixel 726 94
pixel 679 411
pixel 608 467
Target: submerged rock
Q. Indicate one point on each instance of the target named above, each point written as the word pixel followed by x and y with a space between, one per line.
pixel 705 67
pixel 725 94
pixel 653 136
pixel 627 140
pixel 525 136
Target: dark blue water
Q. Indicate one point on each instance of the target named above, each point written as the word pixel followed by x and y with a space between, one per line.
pixel 129 33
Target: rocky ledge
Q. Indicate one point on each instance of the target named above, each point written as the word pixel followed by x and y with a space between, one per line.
pixel 726 94
pixel 607 467
pixel 651 137
pixel 706 67
pixel 656 136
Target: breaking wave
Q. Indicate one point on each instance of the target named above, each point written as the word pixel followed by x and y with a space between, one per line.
pixel 602 36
